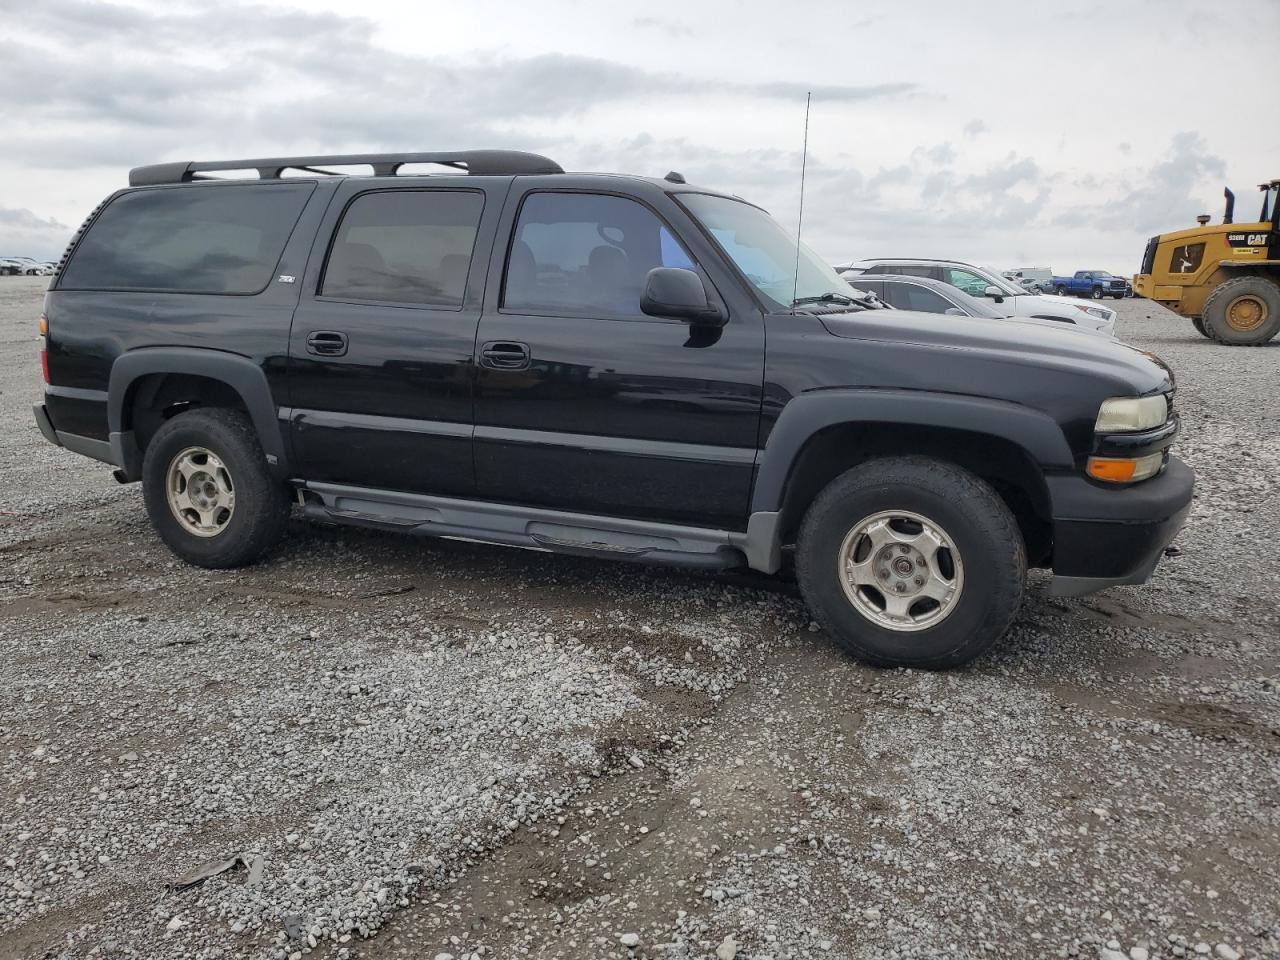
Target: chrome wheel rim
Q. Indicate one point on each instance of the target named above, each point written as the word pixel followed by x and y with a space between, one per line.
pixel 901 571
pixel 200 492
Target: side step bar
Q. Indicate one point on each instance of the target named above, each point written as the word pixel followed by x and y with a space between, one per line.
pixel 550 530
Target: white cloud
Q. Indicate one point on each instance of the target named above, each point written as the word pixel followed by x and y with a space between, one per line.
pixel 931 132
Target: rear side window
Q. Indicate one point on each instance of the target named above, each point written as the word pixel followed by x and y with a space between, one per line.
pixel 405 246
pixel 200 239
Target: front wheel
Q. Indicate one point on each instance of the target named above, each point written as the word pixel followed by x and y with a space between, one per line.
pixel 1062 291
pixel 911 562
pixel 1096 293
pixel 1198 323
pixel 208 491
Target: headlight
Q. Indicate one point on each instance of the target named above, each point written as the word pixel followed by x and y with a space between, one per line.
pixel 1093 311
pixel 1131 414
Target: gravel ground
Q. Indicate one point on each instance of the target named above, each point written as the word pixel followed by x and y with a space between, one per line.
pixel 432 749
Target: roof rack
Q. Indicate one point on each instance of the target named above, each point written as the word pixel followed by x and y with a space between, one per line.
pixel 476 163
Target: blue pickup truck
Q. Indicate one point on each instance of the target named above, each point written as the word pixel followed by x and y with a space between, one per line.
pixel 1091 283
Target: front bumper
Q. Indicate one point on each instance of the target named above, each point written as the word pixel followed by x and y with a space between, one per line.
pixel 1107 536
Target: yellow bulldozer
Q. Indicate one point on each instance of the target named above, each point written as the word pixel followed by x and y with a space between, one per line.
pixel 1225 277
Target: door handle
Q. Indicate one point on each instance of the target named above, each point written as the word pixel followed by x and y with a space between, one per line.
pixel 327 343
pixel 505 355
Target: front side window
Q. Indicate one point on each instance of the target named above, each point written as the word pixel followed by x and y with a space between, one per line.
pixel 967 281
pixel 588 254
pixel 765 253
pixel 918 298
pixel 405 246
pixel 202 238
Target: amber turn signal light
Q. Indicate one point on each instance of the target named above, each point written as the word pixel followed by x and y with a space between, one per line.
pixel 1124 469
pixel 43 325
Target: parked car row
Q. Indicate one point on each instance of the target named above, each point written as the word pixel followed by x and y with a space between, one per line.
pixel 25 267
pixel 985 289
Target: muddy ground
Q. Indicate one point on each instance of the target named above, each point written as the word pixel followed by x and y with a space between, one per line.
pixel 428 748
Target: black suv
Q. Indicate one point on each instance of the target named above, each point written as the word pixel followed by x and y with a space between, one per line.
pixel 603 365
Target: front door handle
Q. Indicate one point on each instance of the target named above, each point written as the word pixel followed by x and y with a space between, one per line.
pixel 505 355
pixel 327 343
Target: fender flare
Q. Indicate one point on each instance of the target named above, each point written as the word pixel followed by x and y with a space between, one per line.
pixel 807 415
pixel 240 373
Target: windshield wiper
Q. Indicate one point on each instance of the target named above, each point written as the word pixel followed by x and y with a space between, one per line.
pixel 825 298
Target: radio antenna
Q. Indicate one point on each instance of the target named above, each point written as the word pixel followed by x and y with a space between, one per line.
pixel 804 157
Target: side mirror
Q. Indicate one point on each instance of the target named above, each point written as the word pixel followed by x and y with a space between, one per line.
pixel 953 312
pixel 993 291
pixel 679 294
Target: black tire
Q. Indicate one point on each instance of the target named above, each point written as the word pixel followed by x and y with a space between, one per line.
pixel 1062 291
pixel 1096 293
pixel 261 506
pixel 1264 294
pixel 1117 296
pixel 1198 323
pixel 986 538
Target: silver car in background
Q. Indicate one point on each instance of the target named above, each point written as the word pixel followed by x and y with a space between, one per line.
pixel 985 284
pixel 933 296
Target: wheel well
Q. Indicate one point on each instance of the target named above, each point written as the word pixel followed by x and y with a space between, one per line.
pixel 1007 467
pixel 154 398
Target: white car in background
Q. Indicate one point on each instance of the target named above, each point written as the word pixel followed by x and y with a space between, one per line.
pixel 981 282
pixel 26 266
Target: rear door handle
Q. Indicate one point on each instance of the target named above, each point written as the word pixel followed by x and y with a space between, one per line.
pixel 505 355
pixel 327 343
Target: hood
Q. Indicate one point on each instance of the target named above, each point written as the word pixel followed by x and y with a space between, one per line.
pixel 1027 342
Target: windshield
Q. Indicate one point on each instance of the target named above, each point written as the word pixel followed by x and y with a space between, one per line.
pixel 766 254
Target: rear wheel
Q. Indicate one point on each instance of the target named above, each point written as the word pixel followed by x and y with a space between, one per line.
pixel 1096 293
pixel 1198 323
pixel 1062 291
pixel 208 491
pixel 910 561
pixel 1244 311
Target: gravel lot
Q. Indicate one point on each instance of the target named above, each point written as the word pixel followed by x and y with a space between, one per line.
pixel 434 749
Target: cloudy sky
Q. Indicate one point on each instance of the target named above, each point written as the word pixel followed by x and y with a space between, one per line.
pixel 1007 133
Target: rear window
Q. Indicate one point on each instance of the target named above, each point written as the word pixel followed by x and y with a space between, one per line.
pixel 201 239
pixel 405 246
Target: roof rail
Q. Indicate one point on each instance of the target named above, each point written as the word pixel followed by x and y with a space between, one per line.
pixel 476 163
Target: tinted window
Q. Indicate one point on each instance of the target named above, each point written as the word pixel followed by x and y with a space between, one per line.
pixel 915 270
pixel 586 253
pixel 915 297
pixel 405 246
pixel 199 239
pixel 870 286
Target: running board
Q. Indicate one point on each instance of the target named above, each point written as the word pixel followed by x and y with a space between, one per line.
pixel 550 530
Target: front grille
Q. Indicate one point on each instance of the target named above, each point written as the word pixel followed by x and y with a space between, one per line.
pixel 1149 255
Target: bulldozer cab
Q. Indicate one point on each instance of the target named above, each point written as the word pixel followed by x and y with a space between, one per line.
pixel 1224 277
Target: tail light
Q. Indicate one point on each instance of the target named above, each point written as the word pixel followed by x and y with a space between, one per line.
pixel 43 326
